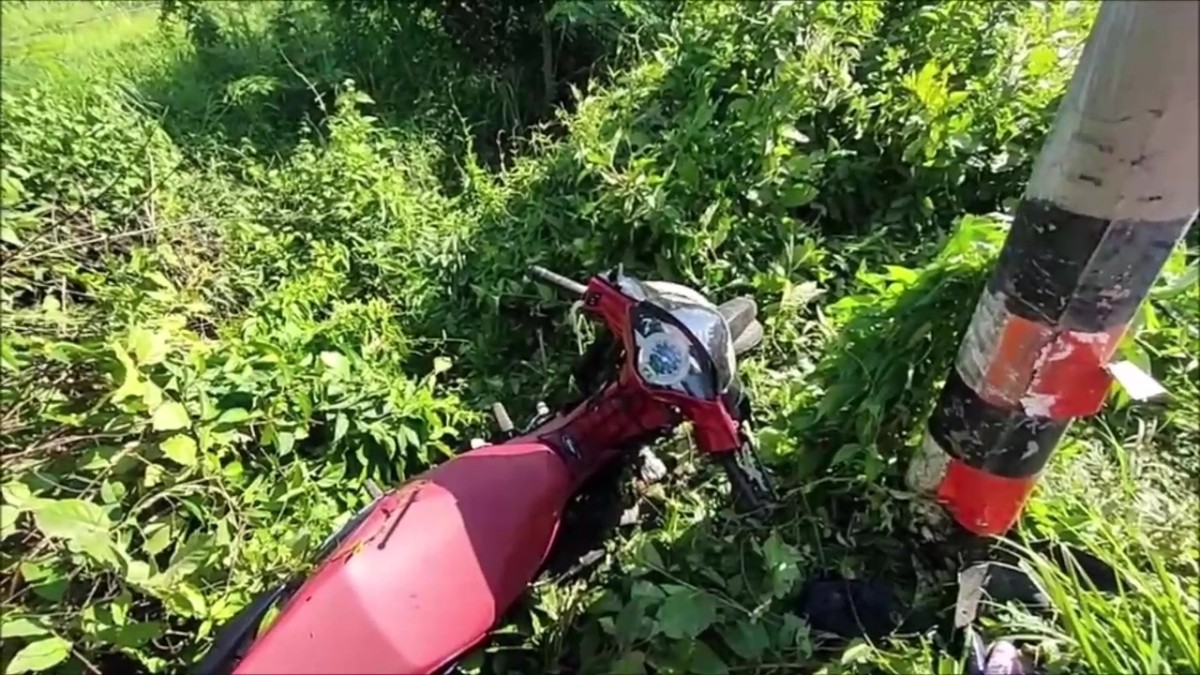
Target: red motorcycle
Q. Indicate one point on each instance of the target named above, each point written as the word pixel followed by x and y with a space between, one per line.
pixel 422 574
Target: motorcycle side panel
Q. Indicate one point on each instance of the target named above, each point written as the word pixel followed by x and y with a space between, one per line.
pixel 428 573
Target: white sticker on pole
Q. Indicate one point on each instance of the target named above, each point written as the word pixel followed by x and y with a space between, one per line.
pixel 1136 382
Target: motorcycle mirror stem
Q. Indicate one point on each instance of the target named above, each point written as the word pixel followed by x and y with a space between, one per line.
pixel 542 274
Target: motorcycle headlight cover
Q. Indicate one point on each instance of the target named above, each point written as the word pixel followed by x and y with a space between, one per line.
pixel 664 357
pixel 667 354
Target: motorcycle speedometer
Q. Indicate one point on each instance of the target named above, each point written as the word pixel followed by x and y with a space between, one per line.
pixel 663 358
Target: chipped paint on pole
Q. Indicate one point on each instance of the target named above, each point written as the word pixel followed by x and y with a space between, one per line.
pixel 1112 192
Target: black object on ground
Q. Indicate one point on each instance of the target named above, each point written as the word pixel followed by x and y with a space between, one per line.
pixel 850 608
pixel 857 608
pixel 1006 582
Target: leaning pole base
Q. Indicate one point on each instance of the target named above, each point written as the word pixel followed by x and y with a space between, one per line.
pixel 1113 190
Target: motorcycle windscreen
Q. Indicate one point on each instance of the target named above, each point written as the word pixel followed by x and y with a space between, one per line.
pixel 682 347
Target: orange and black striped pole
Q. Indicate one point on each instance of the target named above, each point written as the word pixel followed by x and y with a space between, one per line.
pixel 1112 192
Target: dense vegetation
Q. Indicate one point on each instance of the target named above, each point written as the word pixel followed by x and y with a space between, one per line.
pixel 254 255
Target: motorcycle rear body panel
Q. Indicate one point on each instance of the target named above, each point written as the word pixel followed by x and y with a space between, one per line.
pixel 428 572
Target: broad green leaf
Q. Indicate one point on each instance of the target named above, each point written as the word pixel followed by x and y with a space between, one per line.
pixel 184 599
pixel 608 603
pixel 99 547
pixel 69 518
pixel 41 655
pixel 8 521
pixel 628 623
pixel 15 627
pixel 131 386
pixel 859 651
pixel 300 545
pixel 132 635
pixel 704 661
pixel 8 235
pixel 152 475
pixel 47 579
pixel 138 573
pixel 647 554
pixel 846 454
pixel 341 424
pixel 232 416
pixel 794 634
pixel 16 495
pixel 409 436
pixel 688 171
pixel 158 540
pixel 901 274
pixel 285 441
pixel 112 492
pixel 798 195
pixel 630 663
pixel 837 396
pixel 749 639
pixel 120 607
pixel 650 593
pixel 180 448
pixel 149 347
pixel 686 613
pixel 9 359
pixel 336 362
pixel 191 556
pixel 160 279
pixel 780 560
pixel 170 416
pixel 152 396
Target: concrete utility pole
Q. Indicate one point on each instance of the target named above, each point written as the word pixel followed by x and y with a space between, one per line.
pixel 1113 190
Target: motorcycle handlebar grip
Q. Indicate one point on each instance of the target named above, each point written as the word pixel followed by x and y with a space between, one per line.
pixel 559 280
pixel 502 419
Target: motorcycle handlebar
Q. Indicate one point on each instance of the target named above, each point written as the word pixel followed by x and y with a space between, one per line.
pixel 542 274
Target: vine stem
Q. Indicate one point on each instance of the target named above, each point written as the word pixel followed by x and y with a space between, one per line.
pixel 726 600
pixel 86 664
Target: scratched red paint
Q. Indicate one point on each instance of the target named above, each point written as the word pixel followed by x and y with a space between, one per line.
pixel 1070 379
pixel 1012 366
pixel 998 352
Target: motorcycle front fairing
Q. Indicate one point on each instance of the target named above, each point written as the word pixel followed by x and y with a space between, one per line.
pixel 711 363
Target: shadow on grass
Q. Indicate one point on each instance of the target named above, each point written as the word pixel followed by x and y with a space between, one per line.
pixel 254 83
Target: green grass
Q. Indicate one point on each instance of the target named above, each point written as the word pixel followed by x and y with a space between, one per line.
pixel 74 40
pixel 1132 518
pixel 253 257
